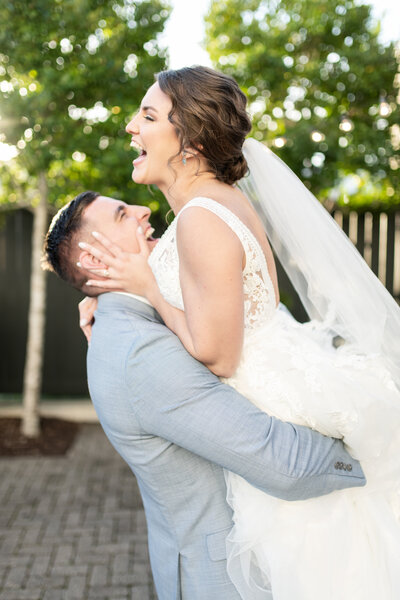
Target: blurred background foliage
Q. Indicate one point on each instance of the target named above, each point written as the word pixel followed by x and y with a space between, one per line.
pixel 323 91
pixel 72 74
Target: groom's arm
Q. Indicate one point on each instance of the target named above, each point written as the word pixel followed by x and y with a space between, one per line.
pixel 177 398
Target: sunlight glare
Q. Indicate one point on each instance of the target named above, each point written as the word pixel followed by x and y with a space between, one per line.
pixel 7 152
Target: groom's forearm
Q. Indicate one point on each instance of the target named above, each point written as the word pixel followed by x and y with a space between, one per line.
pixel 194 410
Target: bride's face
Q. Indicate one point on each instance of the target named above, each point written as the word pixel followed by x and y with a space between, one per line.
pixel 155 138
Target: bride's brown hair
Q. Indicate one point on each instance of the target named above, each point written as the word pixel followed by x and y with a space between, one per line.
pixel 209 115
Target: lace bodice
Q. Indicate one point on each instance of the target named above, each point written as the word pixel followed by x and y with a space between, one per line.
pixel 259 294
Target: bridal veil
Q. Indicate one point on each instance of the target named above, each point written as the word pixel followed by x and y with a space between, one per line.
pixel 334 283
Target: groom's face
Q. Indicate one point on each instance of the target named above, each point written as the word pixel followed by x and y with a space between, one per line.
pixel 119 222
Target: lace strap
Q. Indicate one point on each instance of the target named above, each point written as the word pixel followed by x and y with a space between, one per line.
pixel 246 237
pixel 238 227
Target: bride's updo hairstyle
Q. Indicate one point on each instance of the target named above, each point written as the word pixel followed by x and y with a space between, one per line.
pixel 209 115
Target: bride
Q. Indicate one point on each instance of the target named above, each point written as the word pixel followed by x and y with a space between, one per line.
pixel 213 280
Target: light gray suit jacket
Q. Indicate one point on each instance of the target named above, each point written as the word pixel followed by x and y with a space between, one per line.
pixel 177 426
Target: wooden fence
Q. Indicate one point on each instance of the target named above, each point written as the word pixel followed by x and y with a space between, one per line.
pixel 64 368
pixel 376 235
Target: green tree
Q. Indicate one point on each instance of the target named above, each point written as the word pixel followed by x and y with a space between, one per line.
pixel 69 84
pixel 321 89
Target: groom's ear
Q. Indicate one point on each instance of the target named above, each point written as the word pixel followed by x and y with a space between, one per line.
pixel 88 261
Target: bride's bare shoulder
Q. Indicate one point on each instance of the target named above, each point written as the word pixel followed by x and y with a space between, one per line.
pixel 200 223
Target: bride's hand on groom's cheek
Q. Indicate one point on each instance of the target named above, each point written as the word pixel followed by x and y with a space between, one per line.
pixel 87 308
pixel 119 270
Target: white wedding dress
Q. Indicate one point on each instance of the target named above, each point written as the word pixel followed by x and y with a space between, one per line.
pixel 343 546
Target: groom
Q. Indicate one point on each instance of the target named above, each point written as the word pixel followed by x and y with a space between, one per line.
pixel 175 424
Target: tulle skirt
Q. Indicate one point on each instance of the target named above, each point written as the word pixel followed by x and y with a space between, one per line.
pixel 343 546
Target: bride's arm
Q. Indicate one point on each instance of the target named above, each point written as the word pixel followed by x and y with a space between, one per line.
pixel 210 257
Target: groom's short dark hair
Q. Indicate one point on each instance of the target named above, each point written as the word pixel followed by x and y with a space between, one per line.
pixel 59 244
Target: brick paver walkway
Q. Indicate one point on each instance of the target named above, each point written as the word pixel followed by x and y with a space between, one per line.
pixel 73 527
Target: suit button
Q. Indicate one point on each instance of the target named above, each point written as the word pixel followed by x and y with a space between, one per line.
pixel 349 468
pixel 337 465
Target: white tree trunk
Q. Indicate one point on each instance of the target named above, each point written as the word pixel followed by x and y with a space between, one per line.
pixel 36 319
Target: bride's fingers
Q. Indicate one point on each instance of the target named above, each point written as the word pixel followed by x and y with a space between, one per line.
pixel 85 304
pixel 106 284
pixel 104 257
pixel 87 331
pixel 113 249
pixel 87 308
pixel 110 273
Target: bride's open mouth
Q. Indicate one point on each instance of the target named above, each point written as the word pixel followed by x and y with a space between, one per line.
pixel 141 150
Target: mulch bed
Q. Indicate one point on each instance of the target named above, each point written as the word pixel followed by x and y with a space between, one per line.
pixel 56 436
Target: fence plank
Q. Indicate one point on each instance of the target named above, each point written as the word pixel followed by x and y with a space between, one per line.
pixel 353 220
pixel 375 242
pixel 346 224
pixel 361 234
pixel 390 250
pixel 396 268
pixel 382 247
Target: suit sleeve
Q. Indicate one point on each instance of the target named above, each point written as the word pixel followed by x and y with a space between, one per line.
pixel 177 398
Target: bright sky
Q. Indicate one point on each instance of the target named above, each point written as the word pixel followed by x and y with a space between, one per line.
pixel 185 29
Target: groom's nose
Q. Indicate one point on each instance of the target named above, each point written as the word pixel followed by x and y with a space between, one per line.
pixel 140 212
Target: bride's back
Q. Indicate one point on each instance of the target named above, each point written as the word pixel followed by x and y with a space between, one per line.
pixel 234 200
